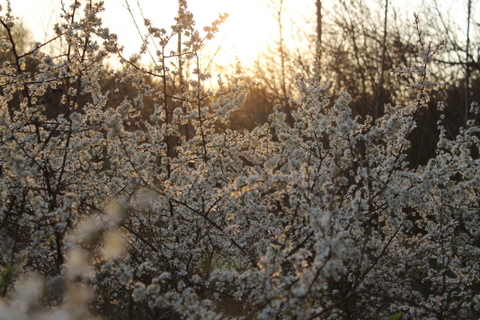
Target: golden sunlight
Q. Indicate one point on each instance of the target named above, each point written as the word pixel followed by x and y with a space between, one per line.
pixel 245 33
pixel 248 29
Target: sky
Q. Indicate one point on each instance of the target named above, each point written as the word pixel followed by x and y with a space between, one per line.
pixel 248 30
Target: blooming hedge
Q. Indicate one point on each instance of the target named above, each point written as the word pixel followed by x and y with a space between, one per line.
pixel 106 212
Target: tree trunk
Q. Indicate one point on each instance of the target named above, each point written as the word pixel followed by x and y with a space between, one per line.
pixel 318 4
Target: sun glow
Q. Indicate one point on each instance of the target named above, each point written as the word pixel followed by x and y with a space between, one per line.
pixel 247 31
pixel 244 34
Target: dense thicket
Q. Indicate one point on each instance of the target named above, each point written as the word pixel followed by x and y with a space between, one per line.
pixel 125 194
pixel 357 44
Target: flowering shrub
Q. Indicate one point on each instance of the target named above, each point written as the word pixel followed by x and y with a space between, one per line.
pixel 104 213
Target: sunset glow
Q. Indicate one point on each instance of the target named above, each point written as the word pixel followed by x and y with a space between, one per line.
pixel 247 31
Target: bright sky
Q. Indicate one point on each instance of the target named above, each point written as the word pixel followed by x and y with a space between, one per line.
pixel 248 29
